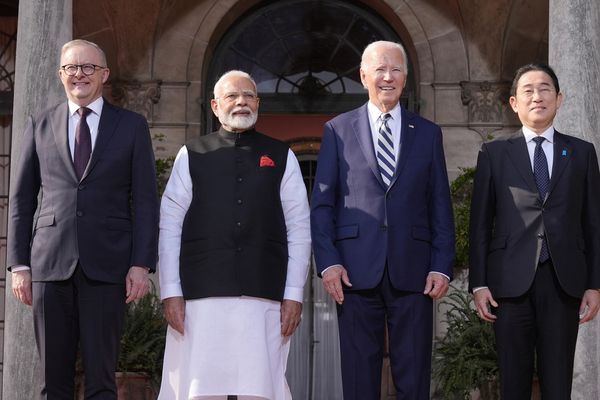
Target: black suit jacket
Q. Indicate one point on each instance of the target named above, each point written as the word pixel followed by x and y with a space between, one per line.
pixel 108 221
pixel 508 218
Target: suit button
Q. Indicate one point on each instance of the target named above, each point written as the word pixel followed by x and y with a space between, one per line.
pixel 239 179
pixel 540 236
pixel 239 249
pixel 80 213
pixel 239 201
pixel 81 187
pixel 384 228
pixel 238 224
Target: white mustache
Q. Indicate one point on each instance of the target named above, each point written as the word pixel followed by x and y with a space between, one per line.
pixel 241 109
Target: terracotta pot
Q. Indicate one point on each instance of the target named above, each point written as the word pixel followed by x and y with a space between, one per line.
pixel 130 386
pixel 135 386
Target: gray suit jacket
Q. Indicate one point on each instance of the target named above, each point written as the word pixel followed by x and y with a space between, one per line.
pixel 509 220
pixel 108 221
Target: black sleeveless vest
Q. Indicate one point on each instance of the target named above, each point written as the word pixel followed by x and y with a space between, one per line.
pixel 234 239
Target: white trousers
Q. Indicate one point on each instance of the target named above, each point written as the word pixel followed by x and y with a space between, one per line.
pixel 230 345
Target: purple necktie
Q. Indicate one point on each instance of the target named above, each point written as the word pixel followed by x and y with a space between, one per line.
pixel 83 143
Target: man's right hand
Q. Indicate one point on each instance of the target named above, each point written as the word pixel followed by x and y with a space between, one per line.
pixel 333 277
pixel 174 310
pixel 483 301
pixel 21 286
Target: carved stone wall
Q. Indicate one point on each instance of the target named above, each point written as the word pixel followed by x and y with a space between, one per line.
pixel 136 96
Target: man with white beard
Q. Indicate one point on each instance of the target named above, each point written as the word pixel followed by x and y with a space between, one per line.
pixel 234 251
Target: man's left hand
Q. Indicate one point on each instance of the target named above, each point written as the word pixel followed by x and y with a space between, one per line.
pixel 436 286
pixel 590 303
pixel 136 283
pixel 290 316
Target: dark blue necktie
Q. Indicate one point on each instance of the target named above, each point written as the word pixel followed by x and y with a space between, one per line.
pixel 542 180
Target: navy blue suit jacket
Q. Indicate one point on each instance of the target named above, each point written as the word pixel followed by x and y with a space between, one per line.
pixel 358 223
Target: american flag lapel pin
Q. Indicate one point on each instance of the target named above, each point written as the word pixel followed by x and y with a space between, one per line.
pixel 411 126
pixel 564 152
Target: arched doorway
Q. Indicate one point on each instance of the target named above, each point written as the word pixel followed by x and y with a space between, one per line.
pixel 305 57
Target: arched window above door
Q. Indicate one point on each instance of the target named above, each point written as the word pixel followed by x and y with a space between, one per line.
pixel 304 54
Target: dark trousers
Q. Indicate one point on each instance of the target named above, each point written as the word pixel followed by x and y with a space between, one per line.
pixel 362 319
pixel 78 312
pixel 543 322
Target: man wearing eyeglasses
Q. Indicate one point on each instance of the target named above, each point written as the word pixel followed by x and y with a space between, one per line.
pixel 234 251
pixel 83 248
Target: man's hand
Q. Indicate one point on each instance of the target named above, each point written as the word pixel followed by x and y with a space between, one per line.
pixel 483 300
pixel 136 283
pixel 333 278
pixel 436 286
pixel 291 312
pixel 174 310
pixel 590 303
pixel 21 286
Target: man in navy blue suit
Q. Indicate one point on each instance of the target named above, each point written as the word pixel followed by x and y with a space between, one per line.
pixel 383 230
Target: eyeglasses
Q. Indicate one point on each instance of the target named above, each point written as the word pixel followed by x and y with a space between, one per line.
pixel 542 91
pixel 231 97
pixel 86 69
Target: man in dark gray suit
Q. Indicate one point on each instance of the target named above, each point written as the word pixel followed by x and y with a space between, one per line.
pixel 535 242
pixel 83 248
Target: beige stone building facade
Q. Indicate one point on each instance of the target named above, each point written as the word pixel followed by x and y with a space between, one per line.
pixel 165 56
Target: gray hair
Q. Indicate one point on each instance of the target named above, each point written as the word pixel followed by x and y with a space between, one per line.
pixel 386 44
pixel 82 42
pixel 229 74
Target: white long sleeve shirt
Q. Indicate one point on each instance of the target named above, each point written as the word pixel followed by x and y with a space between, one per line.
pixel 178 197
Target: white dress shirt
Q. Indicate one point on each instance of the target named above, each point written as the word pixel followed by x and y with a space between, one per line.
pixel 92 119
pixel 547 145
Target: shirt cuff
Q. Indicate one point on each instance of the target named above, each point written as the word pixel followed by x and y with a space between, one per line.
pixel 331 266
pixel 479 288
pixel 293 293
pixel 17 268
pixel 170 290
pixel 440 273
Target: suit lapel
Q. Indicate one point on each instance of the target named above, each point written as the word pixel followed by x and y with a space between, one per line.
pixel 109 119
pixel 517 152
pixel 60 129
pixel 562 157
pixel 362 130
pixel 408 133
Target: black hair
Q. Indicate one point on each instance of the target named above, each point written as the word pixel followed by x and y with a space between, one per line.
pixel 534 67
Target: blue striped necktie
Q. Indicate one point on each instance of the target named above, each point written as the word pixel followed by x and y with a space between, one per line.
pixel 386 158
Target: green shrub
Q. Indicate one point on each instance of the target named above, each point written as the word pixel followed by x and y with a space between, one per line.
pixel 143 340
pixel 461 190
pixel 465 358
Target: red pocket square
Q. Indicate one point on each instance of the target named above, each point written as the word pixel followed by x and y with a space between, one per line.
pixel 265 161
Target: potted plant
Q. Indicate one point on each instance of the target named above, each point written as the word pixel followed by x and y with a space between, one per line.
pixel 465 359
pixel 142 349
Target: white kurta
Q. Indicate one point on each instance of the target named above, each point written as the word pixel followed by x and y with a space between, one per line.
pixel 231 345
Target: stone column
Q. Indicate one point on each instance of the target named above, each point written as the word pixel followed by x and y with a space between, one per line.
pixel 574 52
pixel 43 27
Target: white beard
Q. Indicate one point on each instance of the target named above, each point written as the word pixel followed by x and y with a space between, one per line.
pixel 241 122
